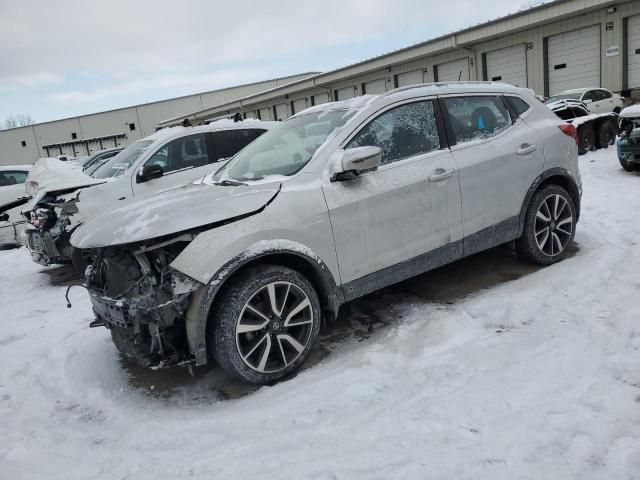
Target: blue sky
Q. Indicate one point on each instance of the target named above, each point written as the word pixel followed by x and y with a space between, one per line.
pixel 112 54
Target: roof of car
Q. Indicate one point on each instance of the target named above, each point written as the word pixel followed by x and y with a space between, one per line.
pixel 5 168
pixel 220 125
pixel 420 90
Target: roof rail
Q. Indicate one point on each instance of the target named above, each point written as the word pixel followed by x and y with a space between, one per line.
pixel 440 84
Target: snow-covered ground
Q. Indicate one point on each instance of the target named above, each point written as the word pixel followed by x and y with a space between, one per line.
pixel 485 369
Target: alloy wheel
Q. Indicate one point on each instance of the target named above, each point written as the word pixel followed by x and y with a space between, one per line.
pixel 553 225
pixel 274 327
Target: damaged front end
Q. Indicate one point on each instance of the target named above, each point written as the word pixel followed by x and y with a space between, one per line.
pixel 629 142
pixel 143 301
pixel 49 227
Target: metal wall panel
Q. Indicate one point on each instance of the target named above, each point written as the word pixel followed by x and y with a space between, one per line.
pixel 574 59
pixel 375 87
pixel 633 52
pixel 456 71
pixel 508 65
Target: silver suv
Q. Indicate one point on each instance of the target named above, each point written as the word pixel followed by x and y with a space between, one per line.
pixel 338 201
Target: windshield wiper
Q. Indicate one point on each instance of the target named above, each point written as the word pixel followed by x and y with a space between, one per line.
pixel 229 183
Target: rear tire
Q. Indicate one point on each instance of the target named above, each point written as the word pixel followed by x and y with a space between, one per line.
pixel 549 226
pixel 265 324
pixel 586 139
pixel 606 134
pixel 627 166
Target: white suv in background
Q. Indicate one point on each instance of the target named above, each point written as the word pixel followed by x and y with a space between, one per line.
pixel 340 200
pixel 61 197
pixel 597 100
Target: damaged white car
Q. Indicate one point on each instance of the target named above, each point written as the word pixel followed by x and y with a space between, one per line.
pixel 61 198
pixel 12 178
pixel 338 201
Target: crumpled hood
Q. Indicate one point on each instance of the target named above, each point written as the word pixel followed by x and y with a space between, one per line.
pixel 172 211
pixel 50 175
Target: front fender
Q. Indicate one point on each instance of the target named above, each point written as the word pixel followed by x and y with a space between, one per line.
pixel 200 310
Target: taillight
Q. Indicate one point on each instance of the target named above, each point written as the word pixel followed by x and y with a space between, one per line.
pixel 570 130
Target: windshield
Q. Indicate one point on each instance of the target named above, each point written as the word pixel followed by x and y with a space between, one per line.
pixel 116 166
pixel 285 149
pixel 565 96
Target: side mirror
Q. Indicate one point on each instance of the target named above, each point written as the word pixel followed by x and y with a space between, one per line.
pixel 149 172
pixel 587 101
pixel 4 217
pixel 354 161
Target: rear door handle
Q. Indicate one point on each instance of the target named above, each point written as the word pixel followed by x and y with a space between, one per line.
pixel 525 149
pixel 441 174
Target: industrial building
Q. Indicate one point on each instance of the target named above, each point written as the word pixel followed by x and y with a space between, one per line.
pixel 85 134
pixel 549 48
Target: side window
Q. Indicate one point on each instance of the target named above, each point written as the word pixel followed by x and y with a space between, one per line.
pixel 591 95
pixel 603 94
pixel 476 118
pixel 518 105
pixel 12 178
pixel 186 152
pixel 402 132
pixel 228 143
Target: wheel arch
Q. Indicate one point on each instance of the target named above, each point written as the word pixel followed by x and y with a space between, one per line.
pixel 554 176
pixel 329 294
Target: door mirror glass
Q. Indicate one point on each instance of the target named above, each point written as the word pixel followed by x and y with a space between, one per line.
pixel 149 172
pixel 357 160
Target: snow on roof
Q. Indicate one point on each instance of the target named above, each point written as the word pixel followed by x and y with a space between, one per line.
pixel 631 112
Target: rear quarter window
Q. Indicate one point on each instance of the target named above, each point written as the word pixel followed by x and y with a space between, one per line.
pixel 518 105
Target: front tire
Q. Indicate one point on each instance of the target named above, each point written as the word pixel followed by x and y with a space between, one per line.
pixel 266 324
pixel 549 227
pixel 586 139
pixel 606 134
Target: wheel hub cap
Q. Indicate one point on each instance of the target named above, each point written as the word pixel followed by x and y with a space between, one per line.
pixel 274 327
pixel 553 226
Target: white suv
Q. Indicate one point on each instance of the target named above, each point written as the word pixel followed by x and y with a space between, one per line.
pixel 338 201
pixel 62 196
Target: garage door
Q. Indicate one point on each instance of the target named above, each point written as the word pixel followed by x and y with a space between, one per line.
pixel 320 98
pixel 265 114
pixel 374 87
pixel 633 52
pixel 574 59
pixel 299 105
pixel 280 111
pixel 409 78
pixel 456 71
pixel 250 114
pixel 345 93
pixel 508 65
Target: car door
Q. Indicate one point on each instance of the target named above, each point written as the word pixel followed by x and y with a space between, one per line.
pixel 225 144
pixel 499 158
pixel 409 206
pixel 182 160
pixel 594 101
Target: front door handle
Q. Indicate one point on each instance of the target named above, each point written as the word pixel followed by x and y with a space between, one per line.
pixel 440 174
pixel 525 149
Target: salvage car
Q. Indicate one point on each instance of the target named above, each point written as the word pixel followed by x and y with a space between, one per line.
pixel 595 130
pixel 12 179
pixel 628 145
pixel 597 100
pixel 92 162
pixel 61 198
pixel 340 200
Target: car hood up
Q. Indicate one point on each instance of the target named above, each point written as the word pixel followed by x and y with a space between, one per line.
pixel 50 175
pixel 173 211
